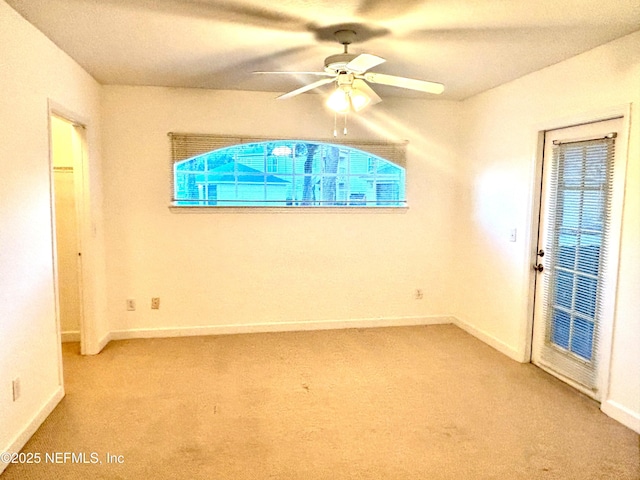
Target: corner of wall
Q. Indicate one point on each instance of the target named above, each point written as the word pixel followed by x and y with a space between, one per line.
pixel 513 353
pixel 622 414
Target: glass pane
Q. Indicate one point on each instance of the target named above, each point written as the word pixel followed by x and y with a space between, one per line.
pixel 307 158
pixel 358 189
pixel 586 289
pixel 310 189
pixel 388 168
pixel 187 185
pixel 331 159
pixel 359 163
pixel 357 199
pixel 566 248
pixel 570 209
pixel 251 177
pixel 582 338
pixel 589 254
pixel 571 166
pixel 281 149
pixel 214 160
pixel 560 328
pixel 387 193
pixel 296 191
pixel 593 206
pixel 595 161
pixel 563 289
pixel 196 164
pixel 284 165
pixel 307 165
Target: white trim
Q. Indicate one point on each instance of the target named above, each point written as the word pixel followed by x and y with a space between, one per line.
pixel 71 336
pixel 279 327
pixel 298 210
pixel 584 117
pixel 27 432
pixel 610 306
pixel 54 250
pixel 531 240
pixel 509 351
pixel 83 219
pixel 100 345
pixel 622 414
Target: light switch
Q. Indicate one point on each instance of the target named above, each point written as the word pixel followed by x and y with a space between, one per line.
pixel 513 234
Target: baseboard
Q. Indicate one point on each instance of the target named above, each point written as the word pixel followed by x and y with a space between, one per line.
pixel 70 336
pixel 96 348
pixel 103 342
pixel 622 414
pixel 24 436
pixel 492 341
pixel 278 327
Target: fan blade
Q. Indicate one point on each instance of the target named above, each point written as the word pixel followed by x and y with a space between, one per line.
pixel 364 62
pixel 385 10
pixel 306 88
pixel 319 74
pixel 402 82
pixel 363 86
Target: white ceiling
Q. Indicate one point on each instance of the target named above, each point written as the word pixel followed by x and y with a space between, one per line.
pixel 469 45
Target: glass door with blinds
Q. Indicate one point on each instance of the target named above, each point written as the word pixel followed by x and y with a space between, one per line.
pixel 573 245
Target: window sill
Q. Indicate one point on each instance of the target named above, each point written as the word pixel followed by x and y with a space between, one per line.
pixel 253 209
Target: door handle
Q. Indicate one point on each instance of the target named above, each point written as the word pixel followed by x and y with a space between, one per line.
pixel 539 267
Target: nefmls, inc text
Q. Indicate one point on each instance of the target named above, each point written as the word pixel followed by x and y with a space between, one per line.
pixel 87 458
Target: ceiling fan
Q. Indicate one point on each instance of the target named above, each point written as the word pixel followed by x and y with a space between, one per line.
pixel 351 73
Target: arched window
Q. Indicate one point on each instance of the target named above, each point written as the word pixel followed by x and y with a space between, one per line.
pixel 285 173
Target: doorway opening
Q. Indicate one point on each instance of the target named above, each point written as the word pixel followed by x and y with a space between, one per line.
pixel 67 155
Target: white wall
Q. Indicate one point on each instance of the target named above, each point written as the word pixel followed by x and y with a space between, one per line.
pixel 233 269
pixel 32 72
pixel 496 184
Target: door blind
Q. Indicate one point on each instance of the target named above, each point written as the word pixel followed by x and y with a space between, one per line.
pixel 580 207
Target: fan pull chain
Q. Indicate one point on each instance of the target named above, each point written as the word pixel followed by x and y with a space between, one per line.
pixel 335 124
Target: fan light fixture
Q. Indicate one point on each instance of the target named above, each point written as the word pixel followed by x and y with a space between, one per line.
pixel 350 95
pixel 346 98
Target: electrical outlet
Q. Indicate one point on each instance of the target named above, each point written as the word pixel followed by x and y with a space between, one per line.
pixel 155 303
pixel 131 304
pixel 419 294
pixel 513 234
pixel 15 386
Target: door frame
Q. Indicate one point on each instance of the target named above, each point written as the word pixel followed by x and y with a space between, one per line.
pixel 606 340
pixel 82 217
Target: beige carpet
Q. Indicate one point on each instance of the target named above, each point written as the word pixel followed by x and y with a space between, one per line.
pixel 390 403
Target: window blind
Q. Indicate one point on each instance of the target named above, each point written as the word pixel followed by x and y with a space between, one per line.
pixel 580 208
pixel 187 145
